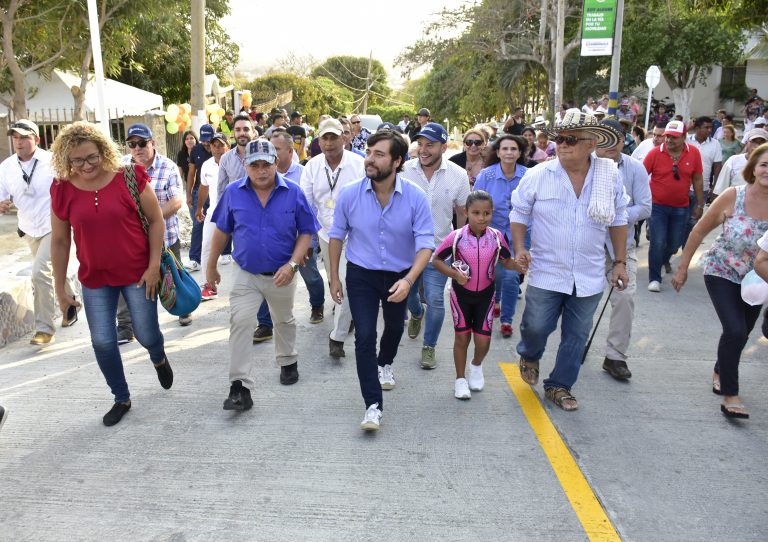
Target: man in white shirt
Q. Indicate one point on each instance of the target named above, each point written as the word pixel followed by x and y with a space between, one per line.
pixel 646 145
pixel 322 180
pixel 566 262
pixel 447 187
pixel 730 175
pixel 209 181
pixel 25 181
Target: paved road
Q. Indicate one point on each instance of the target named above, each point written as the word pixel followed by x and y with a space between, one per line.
pixel 656 452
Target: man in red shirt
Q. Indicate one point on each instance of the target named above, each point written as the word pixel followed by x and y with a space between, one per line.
pixel 674 166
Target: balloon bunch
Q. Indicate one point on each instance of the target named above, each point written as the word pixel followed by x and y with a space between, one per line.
pixel 215 113
pixel 177 117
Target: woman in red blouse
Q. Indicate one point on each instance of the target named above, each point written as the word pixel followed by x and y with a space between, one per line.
pixel 90 197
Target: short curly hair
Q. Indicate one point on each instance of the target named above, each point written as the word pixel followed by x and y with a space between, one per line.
pixel 76 134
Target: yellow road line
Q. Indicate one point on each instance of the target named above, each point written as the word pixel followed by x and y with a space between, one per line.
pixel 583 500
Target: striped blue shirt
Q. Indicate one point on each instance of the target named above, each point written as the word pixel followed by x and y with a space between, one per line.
pixel 567 247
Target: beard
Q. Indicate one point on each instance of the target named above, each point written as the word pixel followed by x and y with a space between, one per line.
pixel 379 175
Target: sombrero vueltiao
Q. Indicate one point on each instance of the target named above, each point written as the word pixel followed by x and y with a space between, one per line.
pixel 574 119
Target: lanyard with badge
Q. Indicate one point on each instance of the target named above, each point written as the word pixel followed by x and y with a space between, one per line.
pixel 27 176
pixel 330 203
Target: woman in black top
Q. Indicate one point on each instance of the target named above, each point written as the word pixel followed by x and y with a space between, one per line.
pixel 182 158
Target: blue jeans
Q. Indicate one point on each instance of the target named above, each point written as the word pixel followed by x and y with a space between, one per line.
pixel 314 283
pixel 101 309
pixel 196 242
pixel 542 310
pixel 434 294
pixel 508 283
pixel 365 289
pixel 667 228
pixel 692 207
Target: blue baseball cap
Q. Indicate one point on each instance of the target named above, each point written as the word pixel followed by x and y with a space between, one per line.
pixel 434 132
pixel 206 132
pixel 139 130
pixel 389 126
pixel 260 149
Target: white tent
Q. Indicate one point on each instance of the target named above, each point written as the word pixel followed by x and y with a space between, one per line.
pixel 54 94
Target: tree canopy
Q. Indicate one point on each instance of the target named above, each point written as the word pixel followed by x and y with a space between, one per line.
pixel 351 72
pixel 311 96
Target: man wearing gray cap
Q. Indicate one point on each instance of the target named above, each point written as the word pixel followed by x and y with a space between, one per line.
pixel 25 181
pixel 271 224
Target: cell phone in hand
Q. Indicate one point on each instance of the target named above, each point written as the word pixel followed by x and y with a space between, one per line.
pixel 72 314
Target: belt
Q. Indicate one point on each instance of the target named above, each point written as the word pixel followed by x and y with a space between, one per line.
pixel 268 274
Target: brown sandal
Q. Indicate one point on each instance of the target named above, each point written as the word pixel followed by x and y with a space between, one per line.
pixel 529 371
pixel 559 396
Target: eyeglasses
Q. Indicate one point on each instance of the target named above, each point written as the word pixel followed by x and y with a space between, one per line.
pixel 347 132
pixel 570 140
pixel 675 172
pixel 142 143
pixel 92 159
pixel 475 142
pixel 355 122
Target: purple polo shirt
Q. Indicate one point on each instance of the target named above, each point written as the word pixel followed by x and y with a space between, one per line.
pixel 383 239
pixel 264 237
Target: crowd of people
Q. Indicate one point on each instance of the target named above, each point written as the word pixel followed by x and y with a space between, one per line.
pixel 393 216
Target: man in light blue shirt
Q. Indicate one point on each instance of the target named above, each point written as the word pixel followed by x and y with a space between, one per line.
pixel 387 223
pixel 636 184
pixel 571 202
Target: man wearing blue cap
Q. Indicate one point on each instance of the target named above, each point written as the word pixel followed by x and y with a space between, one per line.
pixel 165 181
pixel 199 155
pixel 271 224
pixel 447 187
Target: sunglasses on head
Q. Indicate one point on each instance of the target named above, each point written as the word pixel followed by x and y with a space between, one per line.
pixel 675 172
pixel 570 140
pixel 141 144
pixel 22 126
pixel 475 142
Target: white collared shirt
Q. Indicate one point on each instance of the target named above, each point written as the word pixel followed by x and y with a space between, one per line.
pixel 33 201
pixel 637 185
pixel 731 175
pixel 567 248
pixel 711 153
pixel 316 181
pixel 448 187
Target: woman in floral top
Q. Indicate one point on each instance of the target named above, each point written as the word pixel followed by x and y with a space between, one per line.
pixel 743 213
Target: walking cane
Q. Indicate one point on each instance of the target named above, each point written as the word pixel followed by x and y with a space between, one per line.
pixel 589 343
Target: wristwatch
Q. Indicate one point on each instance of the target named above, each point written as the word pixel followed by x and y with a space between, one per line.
pixel 294 266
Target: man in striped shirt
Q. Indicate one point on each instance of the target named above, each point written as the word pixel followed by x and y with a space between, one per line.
pixel 571 202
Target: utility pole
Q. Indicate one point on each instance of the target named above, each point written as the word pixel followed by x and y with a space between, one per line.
pixel 368 83
pixel 613 87
pixel 559 60
pixel 197 68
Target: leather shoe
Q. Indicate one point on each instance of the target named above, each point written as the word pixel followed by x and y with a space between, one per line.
pixel 239 397
pixel 289 374
pixel 617 369
pixel 336 349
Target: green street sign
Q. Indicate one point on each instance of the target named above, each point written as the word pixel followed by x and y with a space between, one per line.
pixel 597 25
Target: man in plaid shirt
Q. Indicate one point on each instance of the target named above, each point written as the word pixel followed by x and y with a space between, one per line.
pixel 165 181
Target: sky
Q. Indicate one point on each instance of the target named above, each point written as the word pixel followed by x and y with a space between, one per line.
pixel 328 28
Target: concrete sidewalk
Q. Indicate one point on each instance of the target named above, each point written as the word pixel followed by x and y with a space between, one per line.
pixel 656 451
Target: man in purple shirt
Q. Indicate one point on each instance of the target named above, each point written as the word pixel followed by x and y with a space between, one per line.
pixel 271 224
pixel 387 223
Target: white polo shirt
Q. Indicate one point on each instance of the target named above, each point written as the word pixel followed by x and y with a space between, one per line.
pixel 731 175
pixel 322 186
pixel 32 200
pixel 711 153
pixel 209 176
pixel 448 187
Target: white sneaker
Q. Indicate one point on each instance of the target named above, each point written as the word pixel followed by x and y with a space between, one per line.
pixel 476 379
pixel 461 389
pixel 192 266
pixel 654 286
pixel 372 419
pixel 225 260
pixel 386 377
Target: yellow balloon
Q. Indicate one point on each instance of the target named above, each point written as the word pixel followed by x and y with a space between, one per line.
pixel 215 119
pixel 220 112
pixel 170 116
pixel 172 128
pixel 187 119
pixel 187 108
pixel 211 108
pixel 173 110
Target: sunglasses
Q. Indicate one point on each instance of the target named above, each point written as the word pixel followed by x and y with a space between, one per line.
pixel 140 144
pixel 475 142
pixel 570 140
pixel 675 172
pixel 355 122
pixel 21 126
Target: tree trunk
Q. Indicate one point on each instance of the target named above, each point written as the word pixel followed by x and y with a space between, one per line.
pixel 78 93
pixel 683 98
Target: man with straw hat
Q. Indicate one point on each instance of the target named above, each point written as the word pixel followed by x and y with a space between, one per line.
pixel 572 202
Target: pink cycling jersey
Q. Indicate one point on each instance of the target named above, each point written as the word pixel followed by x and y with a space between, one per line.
pixel 478 254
